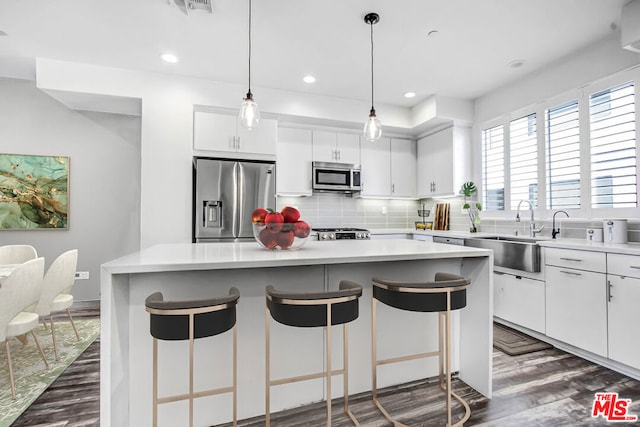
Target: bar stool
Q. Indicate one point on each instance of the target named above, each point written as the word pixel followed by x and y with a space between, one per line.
pixel 182 320
pixel 308 310
pixel 446 293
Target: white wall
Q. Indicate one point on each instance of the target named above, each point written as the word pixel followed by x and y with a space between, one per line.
pixel 167 128
pixel 104 193
pixel 595 62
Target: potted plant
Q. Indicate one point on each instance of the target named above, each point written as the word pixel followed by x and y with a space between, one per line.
pixel 468 189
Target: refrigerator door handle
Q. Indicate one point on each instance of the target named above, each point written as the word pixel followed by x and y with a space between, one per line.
pixel 237 198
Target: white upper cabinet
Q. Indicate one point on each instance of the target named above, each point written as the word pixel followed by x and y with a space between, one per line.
pixel 443 162
pixel 219 132
pixel 403 168
pixel 389 168
pixel 293 162
pixel 336 147
pixel 376 168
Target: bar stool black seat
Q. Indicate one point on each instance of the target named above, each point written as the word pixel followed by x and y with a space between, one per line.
pixel 446 293
pixel 191 320
pixel 308 310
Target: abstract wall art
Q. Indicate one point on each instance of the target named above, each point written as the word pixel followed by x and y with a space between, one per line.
pixel 34 192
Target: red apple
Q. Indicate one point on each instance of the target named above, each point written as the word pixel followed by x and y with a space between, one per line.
pixel 274 221
pixel 285 239
pixel 301 229
pixel 290 214
pixel 258 215
pixel 268 239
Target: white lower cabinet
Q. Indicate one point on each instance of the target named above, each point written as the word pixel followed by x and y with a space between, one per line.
pixel 520 300
pixel 576 302
pixel 624 316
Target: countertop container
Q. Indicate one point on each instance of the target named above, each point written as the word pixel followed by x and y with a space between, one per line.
pixel 594 234
pixel 615 230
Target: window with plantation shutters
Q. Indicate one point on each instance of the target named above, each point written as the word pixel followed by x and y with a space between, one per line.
pixel 523 160
pixel 562 147
pixel 613 147
pixel 493 168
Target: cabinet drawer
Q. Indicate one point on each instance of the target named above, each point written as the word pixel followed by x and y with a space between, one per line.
pixel 581 260
pixel 623 265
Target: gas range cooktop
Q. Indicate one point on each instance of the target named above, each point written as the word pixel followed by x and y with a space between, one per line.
pixel 343 234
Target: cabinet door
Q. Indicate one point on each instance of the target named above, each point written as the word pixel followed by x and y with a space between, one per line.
pixel 424 178
pixel 214 132
pixel 324 146
pixel 624 318
pixel 577 308
pixel 293 171
pixel 348 145
pixel 441 163
pixel 520 300
pixel 376 168
pixel 261 140
pixel 403 168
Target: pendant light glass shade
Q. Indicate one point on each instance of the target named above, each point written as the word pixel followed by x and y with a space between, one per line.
pixel 372 128
pixel 249 116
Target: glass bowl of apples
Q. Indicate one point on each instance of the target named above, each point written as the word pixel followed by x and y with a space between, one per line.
pixel 282 230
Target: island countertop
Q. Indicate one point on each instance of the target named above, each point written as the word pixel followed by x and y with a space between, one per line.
pixel 191 271
pixel 214 256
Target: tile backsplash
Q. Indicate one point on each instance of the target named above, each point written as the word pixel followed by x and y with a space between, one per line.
pixel 337 210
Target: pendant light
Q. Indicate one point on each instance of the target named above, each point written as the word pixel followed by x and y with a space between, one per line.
pixel 249 115
pixel 372 128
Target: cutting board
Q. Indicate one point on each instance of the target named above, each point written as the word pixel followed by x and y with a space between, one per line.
pixel 441 221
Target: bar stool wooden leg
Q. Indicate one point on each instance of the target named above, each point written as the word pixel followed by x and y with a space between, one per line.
pixel 191 334
pixel 155 382
pixel 328 356
pixel 235 375
pixel 267 412
pixel 448 345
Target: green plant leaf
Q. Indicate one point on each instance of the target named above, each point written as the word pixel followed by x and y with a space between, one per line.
pixel 468 189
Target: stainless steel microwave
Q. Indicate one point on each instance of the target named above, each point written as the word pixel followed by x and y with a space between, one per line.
pixel 339 177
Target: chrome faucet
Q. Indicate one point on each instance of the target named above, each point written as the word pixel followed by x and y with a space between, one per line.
pixel 532 226
pixel 555 232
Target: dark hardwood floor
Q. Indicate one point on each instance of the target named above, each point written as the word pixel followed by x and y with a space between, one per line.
pixel 547 388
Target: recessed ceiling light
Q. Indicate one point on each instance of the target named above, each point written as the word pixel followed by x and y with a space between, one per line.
pixel 409 94
pixel 169 57
pixel 433 33
pixel 2 33
pixel 517 63
pixel 309 79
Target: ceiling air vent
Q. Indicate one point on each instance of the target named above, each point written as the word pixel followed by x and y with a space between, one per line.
pixel 188 6
pixel 630 26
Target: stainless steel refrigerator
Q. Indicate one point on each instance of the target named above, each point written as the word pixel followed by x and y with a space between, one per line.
pixel 225 194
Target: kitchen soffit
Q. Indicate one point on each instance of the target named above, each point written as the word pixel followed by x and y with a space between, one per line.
pixel 476 41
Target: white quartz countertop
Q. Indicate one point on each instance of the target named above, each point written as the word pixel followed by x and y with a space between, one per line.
pixel 585 245
pixel 213 256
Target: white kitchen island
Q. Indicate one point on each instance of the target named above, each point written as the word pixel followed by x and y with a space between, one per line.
pixel 187 271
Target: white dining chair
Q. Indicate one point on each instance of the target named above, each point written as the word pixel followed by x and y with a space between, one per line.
pixel 17 254
pixel 56 288
pixel 20 290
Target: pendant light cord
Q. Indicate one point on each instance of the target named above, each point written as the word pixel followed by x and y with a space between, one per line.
pixel 371 25
pixel 249 47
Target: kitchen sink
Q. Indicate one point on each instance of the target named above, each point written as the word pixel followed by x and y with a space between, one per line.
pixel 518 253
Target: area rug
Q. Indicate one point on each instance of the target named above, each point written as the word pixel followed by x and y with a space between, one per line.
pixel 515 343
pixel 31 377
